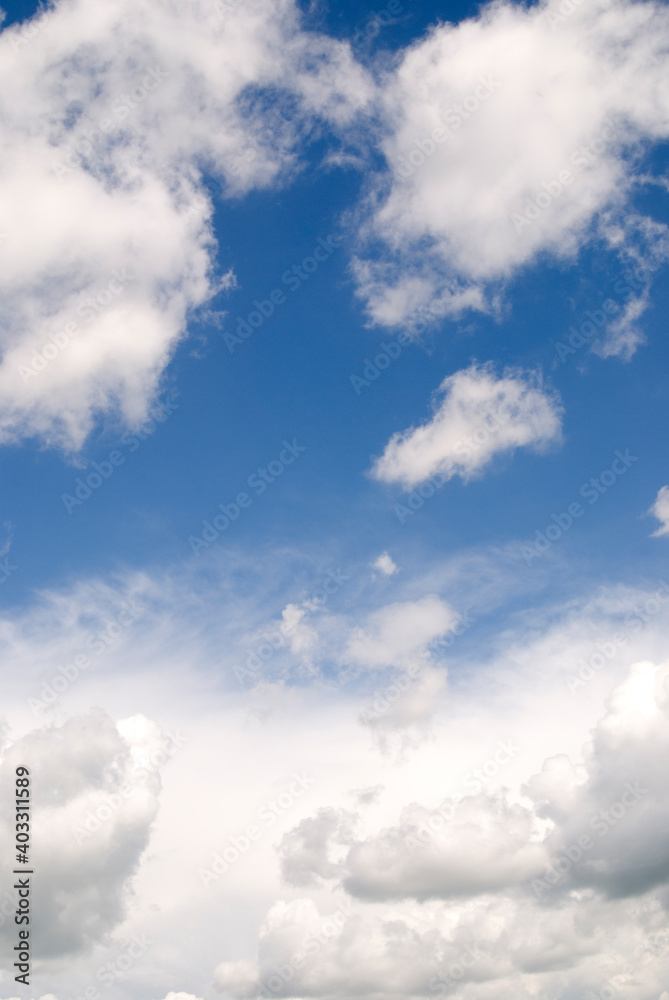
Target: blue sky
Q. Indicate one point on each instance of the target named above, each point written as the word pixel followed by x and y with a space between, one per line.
pixel 260 165
pixel 293 379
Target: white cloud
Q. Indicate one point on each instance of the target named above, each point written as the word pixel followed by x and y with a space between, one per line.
pixel 399 632
pixel 385 565
pixel 479 416
pixel 489 875
pixel 660 510
pixel 390 939
pixel 495 948
pixel 180 996
pixel 111 112
pixel 95 788
pixel 478 843
pixel 305 851
pixel 510 135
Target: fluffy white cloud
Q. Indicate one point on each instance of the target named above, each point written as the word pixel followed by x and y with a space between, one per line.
pixel 622 806
pixel 507 906
pixel 494 948
pixel 479 416
pixel 480 842
pixel 509 135
pixel 95 788
pixel 605 917
pixel 468 846
pixel 111 113
pixel 660 510
pixel 305 851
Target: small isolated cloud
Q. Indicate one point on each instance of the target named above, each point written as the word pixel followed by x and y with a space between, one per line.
pixel 660 510
pixel 479 416
pixel 623 335
pixel 385 565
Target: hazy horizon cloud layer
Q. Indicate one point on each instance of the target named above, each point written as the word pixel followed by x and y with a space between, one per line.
pixel 335 601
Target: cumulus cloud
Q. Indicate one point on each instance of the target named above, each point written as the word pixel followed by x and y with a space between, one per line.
pixel 660 510
pixel 487 892
pixel 480 843
pixel 112 114
pixel 305 850
pixel 478 416
pixel 344 953
pixel 623 806
pixel 509 135
pixel 398 907
pixel 507 948
pixel 95 788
